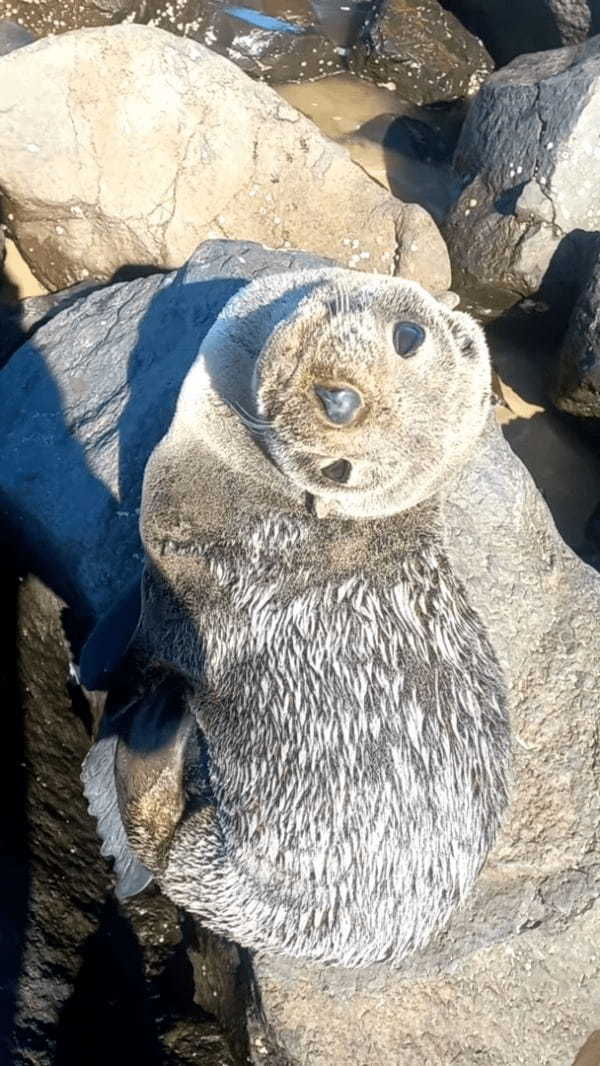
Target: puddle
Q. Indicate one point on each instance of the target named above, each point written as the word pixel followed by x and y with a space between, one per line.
pixel 404 147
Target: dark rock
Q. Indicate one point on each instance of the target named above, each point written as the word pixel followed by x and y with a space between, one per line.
pixel 288 47
pixel 20 320
pixel 81 978
pixel 527 159
pixel 577 384
pixel 12 36
pixel 57 16
pixel 82 406
pixel 509 30
pixel 426 52
pixel 96 478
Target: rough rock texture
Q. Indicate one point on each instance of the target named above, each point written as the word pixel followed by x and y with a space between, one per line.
pixel 528 158
pixel 13 36
pixel 56 16
pixel 138 167
pixel 19 320
pixel 426 51
pixel 76 969
pixel 510 29
pixel 577 382
pixel 516 977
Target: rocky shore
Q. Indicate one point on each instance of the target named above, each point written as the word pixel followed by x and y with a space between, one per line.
pixel 154 159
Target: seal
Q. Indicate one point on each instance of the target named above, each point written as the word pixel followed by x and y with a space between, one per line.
pixel 307 742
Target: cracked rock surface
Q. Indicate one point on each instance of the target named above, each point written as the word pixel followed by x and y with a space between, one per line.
pixel 528 158
pixel 516 976
pixel 168 144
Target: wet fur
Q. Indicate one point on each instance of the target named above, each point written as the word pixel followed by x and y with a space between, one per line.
pixel 346 698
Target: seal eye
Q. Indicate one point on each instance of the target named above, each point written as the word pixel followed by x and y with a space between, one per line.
pixel 407 338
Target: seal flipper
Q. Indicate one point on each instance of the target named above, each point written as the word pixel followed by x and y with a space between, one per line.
pixel 98 777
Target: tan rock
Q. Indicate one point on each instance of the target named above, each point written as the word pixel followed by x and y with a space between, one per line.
pixel 126 145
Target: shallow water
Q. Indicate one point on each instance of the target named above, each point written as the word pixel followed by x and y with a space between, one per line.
pixel 404 147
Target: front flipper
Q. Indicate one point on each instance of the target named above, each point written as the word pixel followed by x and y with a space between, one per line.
pixel 140 773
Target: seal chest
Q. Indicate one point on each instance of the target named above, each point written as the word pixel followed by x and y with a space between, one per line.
pixel 335 762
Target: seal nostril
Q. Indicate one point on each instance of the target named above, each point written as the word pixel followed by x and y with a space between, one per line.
pixel 339 471
pixel 340 405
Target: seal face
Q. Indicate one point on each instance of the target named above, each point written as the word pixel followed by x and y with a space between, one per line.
pixel 378 377
pixel 342 762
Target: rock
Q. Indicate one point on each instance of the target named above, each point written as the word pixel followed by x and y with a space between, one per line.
pixel 99 475
pixel 516 976
pixel 526 158
pixel 509 30
pixel 81 978
pixel 288 48
pixel 13 36
pixel 19 321
pixel 56 16
pixel 185 147
pixel 577 382
pixel 426 52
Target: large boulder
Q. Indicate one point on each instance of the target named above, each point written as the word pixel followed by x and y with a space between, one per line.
pixel 516 976
pixel 426 52
pixel 139 144
pixel 527 157
pixel 509 30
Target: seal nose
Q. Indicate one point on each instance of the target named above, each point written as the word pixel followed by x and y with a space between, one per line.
pixel 341 405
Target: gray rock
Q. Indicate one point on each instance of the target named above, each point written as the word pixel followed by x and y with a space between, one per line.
pixel 509 30
pixel 12 36
pixel 528 162
pixel 516 976
pixel 138 171
pixel 99 416
pixel 577 380
pixel 18 321
pixel 426 52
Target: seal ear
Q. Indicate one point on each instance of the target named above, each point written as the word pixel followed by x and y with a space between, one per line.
pixel 448 299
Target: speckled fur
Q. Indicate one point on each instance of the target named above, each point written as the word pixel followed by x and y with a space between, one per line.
pixel 352 708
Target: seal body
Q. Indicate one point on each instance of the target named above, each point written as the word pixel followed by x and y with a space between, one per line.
pixel 342 765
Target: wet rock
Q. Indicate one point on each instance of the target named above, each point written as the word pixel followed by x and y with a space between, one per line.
pixel 95 390
pixel 404 156
pixel 12 36
pixel 509 30
pixel 426 52
pixel 285 46
pixel 81 979
pixel 187 147
pixel 577 383
pixel 57 16
pixel 527 158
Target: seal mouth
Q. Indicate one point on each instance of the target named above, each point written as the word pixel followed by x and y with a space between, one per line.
pixel 339 471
